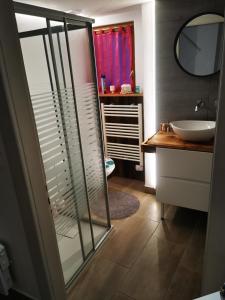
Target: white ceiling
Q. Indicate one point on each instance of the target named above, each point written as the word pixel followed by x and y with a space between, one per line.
pixel 91 8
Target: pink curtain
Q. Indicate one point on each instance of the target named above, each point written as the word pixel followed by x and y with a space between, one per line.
pixel 114 56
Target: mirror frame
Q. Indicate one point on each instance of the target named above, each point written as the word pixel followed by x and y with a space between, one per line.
pixel 177 37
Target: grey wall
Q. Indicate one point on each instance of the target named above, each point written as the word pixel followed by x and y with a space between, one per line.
pixel 176 91
pixel 12 233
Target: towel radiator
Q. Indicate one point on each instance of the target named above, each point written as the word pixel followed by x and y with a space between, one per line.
pixel 123 131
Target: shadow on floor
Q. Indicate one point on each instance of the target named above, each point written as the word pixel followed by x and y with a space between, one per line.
pixel 144 258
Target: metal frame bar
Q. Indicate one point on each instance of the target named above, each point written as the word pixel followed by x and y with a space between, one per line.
pixel 103 129
pixel 61 59
pixel 48 62
pixel 55 29
pixel 94 74
pixel 78 127
pixel 162 211
pixel 60 101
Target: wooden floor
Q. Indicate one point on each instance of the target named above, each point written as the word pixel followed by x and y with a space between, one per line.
pixel 144 258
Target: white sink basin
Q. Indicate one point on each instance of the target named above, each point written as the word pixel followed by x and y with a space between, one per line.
pixel 195 131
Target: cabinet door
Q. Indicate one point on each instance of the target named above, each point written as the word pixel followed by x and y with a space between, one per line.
pixel 190 165
pixel 183 193
pixel 183 178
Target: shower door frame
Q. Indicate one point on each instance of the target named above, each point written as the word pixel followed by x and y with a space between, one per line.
pixel 36 214
pixel 78 22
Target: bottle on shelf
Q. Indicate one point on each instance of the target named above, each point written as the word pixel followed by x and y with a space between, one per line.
pixel 103 84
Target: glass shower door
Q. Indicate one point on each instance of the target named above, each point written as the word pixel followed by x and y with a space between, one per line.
pixel 78 223
pixel 67 121
pixel 85 86
pixel 58 135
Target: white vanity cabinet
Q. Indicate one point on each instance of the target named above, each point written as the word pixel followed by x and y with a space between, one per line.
pixel 183 178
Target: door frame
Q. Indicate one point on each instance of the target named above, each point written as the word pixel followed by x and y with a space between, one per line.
pixel 213 270
pixel 21 143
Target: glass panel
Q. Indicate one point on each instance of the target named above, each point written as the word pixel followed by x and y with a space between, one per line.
pixel 88 111
pixel 34 53
pixel 69 115
pixel 56 124
pixel 75 176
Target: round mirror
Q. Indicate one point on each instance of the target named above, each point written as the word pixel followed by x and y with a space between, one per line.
pixel 198 45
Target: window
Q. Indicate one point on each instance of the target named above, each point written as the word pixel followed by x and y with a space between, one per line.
pixel 114 49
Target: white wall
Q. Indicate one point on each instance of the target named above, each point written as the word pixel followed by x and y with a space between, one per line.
pixel 130 14
pixel 80 57
pixel 144 30
pixel 35 65
pixel 148 30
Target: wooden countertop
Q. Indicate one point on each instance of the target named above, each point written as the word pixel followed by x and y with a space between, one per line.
pixel 172 141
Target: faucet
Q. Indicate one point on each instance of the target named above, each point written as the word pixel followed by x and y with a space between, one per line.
pixel 199 105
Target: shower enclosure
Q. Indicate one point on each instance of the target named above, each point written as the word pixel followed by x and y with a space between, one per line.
pixel 58 57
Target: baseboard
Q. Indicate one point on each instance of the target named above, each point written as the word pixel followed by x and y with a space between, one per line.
pixel 150 190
